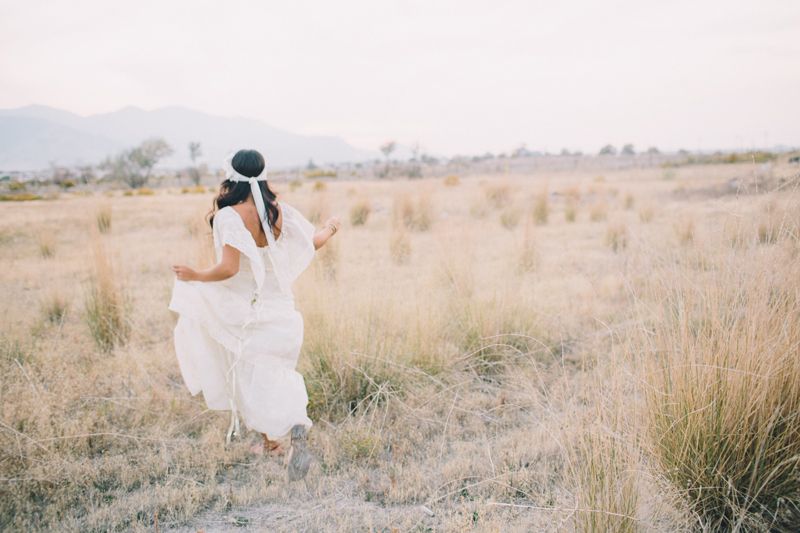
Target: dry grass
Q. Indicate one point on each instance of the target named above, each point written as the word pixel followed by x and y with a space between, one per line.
pixel 571 209
pixel 646 214
pixel 400 244
pixel 598 211
pixel 54 307
pixel 541 209
pixel 102 217
pixel 498 194
pixel 617 236
pixel 416 215
pixel 685 230
pixel 509 218
pixel 528 254
pixel 106 304
pixel 359 212
pixel 47 244
pixel 452 181
pixel 460 378
pixel 723 394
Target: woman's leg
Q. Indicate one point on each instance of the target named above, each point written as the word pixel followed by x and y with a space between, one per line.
pixel 271 446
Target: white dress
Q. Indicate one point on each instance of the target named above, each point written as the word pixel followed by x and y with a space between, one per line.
pixel 238 340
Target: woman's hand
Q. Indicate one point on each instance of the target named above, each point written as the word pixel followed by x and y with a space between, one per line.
pixel 184 273
pixel 333 223
pixel 328 231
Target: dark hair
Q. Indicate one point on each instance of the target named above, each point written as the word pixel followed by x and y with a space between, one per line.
pixel 248 163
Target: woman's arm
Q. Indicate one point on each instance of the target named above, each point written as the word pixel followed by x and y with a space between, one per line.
pixel 225 269
pixel 327 231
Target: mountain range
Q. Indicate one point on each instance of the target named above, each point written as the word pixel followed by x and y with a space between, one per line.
pixel 34 137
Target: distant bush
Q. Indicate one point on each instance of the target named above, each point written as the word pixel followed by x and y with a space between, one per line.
pixel 451 181
pixel 196 189
pixel 319 173
pixel 23 197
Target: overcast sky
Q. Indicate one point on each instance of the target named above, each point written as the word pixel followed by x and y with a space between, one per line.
pixel 457 76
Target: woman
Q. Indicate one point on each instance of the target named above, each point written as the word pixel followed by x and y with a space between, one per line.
pixel 238 336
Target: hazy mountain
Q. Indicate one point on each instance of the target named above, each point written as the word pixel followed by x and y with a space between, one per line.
pixel 32 137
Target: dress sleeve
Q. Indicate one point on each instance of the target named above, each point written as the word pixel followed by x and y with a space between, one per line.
pixel 294 249
pixel 230 230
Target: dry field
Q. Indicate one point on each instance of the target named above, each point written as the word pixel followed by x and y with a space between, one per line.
pixel 558 351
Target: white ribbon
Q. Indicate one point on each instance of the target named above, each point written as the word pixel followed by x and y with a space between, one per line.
pixel 232 175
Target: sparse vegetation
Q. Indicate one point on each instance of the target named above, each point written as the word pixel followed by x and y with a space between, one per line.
pixel 414 215
pixel 598 211
pixel 498 194
pixel 452 181
pixel 579 375
pixel 102 217
pixel 509 218
pixel 617 236
pixel 359 212
pixel 106 301
pixel 541 208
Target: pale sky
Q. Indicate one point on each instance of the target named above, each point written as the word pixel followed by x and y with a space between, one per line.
pixel 457 76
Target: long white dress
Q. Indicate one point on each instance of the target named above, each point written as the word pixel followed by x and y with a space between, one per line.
pixel 238 340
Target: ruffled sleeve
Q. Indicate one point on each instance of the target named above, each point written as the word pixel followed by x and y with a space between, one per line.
pixel 230 230
pixel 294 250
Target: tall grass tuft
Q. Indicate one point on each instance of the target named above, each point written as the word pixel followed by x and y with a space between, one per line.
pixel 416 216
pixel 47 244
pixel 541 209
pixel 509 218
pixel 106 302
pixel 54 307
pixel 629 201
pixel 102 217
pixel 359 213
pixel 606 489
pixel 685 231
pixel 598 212
pixel 498 194
pixel 617 236
pixel 452 181
pixel 528 255
pixel 646 214
pixel 571 210
pixel 400 244
pixel 318 210
pixel 722 375
pixel 327 260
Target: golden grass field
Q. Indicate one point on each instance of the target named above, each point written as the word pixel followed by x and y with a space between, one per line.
pixel 558 351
